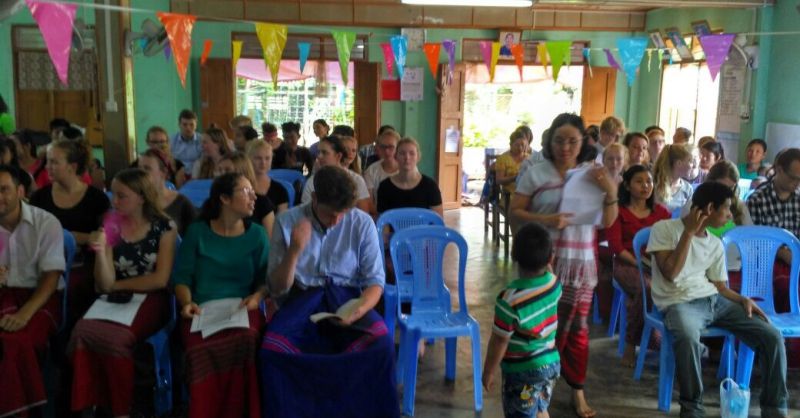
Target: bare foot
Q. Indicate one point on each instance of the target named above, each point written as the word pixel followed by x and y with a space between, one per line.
pixel 582 409
pixel 629 357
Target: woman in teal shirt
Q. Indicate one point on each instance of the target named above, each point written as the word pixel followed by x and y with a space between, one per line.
pixel 6 121
pixel 223 256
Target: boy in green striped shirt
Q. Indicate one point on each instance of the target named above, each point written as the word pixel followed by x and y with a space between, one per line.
pixel 523 336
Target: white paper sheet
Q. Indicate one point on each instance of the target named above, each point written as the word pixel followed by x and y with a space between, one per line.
pixel 582 198
pixel 121 313
pixel 343 312
pixel 218 315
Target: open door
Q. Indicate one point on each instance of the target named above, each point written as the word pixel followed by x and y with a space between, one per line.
pixel 597 99
pixel 451 146
pixel 217 94
pixel 367 92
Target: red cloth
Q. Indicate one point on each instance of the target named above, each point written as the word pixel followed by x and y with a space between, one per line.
pixel 21 382
pixel 101 354
pixel 620 234
pixel 572 336
pixel 221 371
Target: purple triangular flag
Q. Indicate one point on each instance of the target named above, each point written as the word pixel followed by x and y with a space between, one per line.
pixel 716 48
pixel 449 46
pixel 611 61
pixel 167 52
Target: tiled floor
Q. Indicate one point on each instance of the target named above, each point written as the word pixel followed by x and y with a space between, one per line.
pixel 610 388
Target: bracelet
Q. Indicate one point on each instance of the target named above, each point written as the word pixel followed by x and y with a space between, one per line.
pixel 613 202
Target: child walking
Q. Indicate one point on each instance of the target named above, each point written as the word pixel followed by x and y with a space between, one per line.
pixel 523 336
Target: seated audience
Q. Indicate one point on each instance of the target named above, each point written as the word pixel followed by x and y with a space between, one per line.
pixel 682 136
pixel 387 165
pixel 689 288
pixel 325 254
pixel 264 211
pixel 270 133
pixel 612 129
pixel 506 167
pixel 615 159
pixel 321 130
pixel 158 139
pixel 656 142
pixel 223 255
pixel 260 154
pixel 291 155
pixel 755 164
pixel 101 352
pixel 30 306
pixel 710 153
pixel 186 145
pixel 409 188
pixel 673 164
pixel 637 144
pixel 367 152
pixel 239 121
pixel 215 146
pixel 350 159
pixel 637 210
pixel 177 206
pixel 242 136
pixel 331 152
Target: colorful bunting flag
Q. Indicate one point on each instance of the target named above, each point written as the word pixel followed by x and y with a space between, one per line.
pixel 55 22
pixel 649 58
pixel 495 56
pixel 432 51
pixel 305 49
pixel 236 52
pixel 388 59
pixel 660 58
pixel 611 61
pixel 588 54
pixel 399 51
pixel 631 51
pixel 486 53
pixel 559 52
pixel 344 45
pixel 541 49
pixel 167 52
pixel 179 29
pixel 716 48
pixel 517 51
pixel 207 45
pixel 449 46
pixel 273 39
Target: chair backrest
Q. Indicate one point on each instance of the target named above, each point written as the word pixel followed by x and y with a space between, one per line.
pixel 758 246
pixel 197 191
pixel 639 242
pixel 400 219
pixel 289 189
pixel 70 248
pixel 427 245
pixel 286 174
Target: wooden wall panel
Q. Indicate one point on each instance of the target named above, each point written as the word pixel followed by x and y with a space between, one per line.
pixel 326 13
pixel 606 20
pixel 448 16
pixel 273 11
pixel 230 9
pixel 494 17
pixel 404 15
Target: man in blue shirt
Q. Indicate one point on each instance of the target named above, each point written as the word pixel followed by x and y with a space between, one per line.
pixel 186 144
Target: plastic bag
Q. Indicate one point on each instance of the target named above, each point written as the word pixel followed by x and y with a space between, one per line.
pixel 734 399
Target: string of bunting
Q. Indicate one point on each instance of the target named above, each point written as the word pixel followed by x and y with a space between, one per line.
pixel 55 21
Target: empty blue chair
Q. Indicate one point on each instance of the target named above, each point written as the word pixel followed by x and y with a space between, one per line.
pixel 399 219
pixel 431 316
pixel 758 246
pixel 654 320
pixel 289 189
pixel 197 191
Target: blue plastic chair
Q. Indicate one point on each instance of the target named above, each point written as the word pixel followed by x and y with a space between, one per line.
pixel 399 219
pixel 619 316
pixel 170 185
pixel 596 319
pixel 286 174
pixel 758 246
pixel 70 248
pixel 654 320
pixel 289 189
pixel 430 316
pixel 162 358
pixel 197 191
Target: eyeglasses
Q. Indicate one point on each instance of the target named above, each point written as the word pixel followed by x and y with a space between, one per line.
pixel 563 144
pixel 248 191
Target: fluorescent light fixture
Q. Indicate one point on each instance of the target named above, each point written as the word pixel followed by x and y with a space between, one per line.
pixel 484 3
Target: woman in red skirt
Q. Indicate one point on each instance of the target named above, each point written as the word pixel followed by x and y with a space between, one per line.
pixel 139 262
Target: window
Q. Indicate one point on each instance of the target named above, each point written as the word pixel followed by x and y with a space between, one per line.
pixel 688 99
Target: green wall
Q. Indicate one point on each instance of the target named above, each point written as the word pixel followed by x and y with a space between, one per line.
pixel 783 91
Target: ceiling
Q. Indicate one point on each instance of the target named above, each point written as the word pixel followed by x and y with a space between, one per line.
pixel 645 5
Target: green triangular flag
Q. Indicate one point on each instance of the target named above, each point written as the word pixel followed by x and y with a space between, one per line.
pixel 559 51
pixel 344 43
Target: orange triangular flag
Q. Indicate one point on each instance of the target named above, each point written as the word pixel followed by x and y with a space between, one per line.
pixel 206 51
pixel 516 51
pixel 432 53
pixel 179 29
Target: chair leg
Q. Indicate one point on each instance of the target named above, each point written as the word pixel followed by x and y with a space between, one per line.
pixel 476 369
pixel 615 310
pixel 390 311
pixel 666 374
pixel 401 357
pixel 596 309
pixel 744 365
pixel 450 353
pixel 637 372
pixel 623 326
pixel 726 360
pixel 410 371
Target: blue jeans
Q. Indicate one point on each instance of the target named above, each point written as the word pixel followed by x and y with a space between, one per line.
pixel 686 320
pixel 526 393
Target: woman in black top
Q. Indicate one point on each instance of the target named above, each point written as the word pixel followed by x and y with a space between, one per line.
pixel 409 187
pixel 264 211
pixel 177 206
pixel 260 154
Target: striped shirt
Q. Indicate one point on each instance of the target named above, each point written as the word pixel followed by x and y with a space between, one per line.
pixel 526 311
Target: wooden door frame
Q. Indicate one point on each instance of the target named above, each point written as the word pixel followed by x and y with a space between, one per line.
pixel 442 132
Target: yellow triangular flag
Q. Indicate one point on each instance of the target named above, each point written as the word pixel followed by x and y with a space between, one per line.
pixel 495 56
pixel 236 52
pixel 542 51
pixel 273 40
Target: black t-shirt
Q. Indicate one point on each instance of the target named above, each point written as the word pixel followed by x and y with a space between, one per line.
pixel 86 216
pixel 425 195
pixel 263 208
pixel 285 158
pixel 182 211
pixel 277 194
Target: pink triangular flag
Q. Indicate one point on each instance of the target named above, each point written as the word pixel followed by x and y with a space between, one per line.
pixel 716 48
pixel 486 53
pixel 388 58
pixel 55 23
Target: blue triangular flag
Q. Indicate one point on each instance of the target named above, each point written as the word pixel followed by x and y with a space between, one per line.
pixel 631 52
pixel 304 48
pixel 399 50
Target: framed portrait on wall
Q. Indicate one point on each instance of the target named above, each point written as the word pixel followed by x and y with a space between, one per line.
pixel 507 40
pixel 675 38
pixel 658 39
pixel 701 28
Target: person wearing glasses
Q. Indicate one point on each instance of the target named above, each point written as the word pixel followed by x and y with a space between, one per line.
pixel 611 130
pixel 223 255
pixel 537 199
pixel 387 165
pixel 158 139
